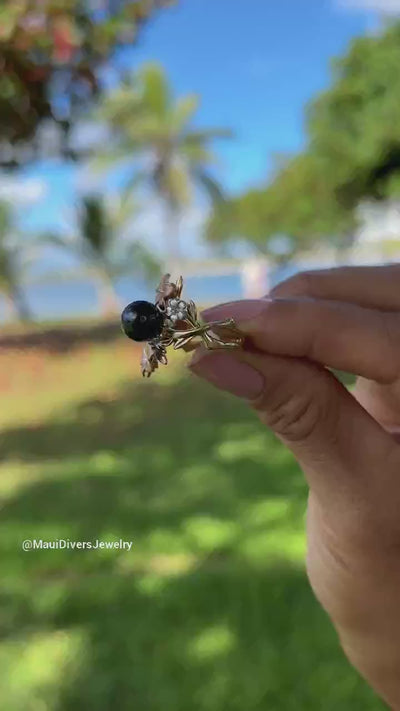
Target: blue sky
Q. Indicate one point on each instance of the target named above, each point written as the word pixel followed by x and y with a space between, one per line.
pixel 255 63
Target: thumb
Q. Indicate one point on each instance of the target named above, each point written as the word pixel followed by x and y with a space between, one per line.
pixel 339 446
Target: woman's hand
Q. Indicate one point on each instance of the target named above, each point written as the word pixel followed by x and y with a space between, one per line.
pixel 346 319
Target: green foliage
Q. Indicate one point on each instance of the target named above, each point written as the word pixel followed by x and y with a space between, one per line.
pixel 353 153
pixel 211 609
pixel 354 127
pixel 54 49
pixel 147 120
pixel 296 210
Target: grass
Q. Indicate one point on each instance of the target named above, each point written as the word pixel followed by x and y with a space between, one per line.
pixel 211 609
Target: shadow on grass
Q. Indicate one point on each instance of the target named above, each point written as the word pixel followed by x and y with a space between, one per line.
pixel 199 615
pixel 150 458
pixel 232 639
pixel 62 339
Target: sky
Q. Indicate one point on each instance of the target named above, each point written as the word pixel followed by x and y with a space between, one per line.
pixel 255 64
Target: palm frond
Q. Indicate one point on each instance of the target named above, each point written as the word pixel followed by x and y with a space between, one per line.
pixel 114 154
pixel 208 134
pixel 122 210
pixel 176 184
pixel 156 94
pixel 146 131
pixel 95 231
pixel 147 120
pixel 139 178
pixel 136 259
pixel 183 111
pixel 54 239
pixel 120 104
pixel 197 154
pixel 211 186
pixel 5 219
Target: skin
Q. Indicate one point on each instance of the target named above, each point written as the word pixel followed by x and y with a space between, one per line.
pixel 346 443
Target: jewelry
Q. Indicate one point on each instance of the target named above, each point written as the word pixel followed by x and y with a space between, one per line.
pixel 171 321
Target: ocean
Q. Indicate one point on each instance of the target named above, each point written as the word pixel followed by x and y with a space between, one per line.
pixel 79 298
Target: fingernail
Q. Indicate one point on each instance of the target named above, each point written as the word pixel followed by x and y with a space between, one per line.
pixel 241 311
pixel 227 372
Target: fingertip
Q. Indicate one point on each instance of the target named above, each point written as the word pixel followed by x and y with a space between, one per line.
pixel 240 311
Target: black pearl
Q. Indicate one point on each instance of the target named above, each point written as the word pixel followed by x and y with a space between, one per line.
pixel 142 321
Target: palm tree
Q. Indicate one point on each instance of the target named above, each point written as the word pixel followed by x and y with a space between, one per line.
pixel 148 123
pixel 98 240
pixel 12 263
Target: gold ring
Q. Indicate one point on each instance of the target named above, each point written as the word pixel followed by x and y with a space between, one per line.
pixel 171 321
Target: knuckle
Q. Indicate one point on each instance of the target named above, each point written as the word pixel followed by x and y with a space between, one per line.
pixel 300 284
pixel 293 416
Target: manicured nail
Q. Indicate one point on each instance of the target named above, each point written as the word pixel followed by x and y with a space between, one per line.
pixel 241 311
pixel 227 372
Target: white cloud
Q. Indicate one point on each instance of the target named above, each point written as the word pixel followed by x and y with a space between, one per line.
pixel 385 7
pixel 22 191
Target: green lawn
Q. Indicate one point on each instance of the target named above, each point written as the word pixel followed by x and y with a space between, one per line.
pixel 211 609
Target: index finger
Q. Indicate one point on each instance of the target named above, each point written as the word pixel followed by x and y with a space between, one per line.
pixel 343 336
pixel 375 287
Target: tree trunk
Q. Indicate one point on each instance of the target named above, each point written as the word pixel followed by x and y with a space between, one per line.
pixel 20 305
pixel 108 300
pixel 172 233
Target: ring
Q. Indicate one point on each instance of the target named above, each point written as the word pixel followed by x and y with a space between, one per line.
pixel 171 321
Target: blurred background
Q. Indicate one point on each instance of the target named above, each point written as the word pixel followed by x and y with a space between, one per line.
pixel 235 143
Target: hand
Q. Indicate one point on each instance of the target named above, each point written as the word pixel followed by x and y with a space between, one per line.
pixel 346 319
